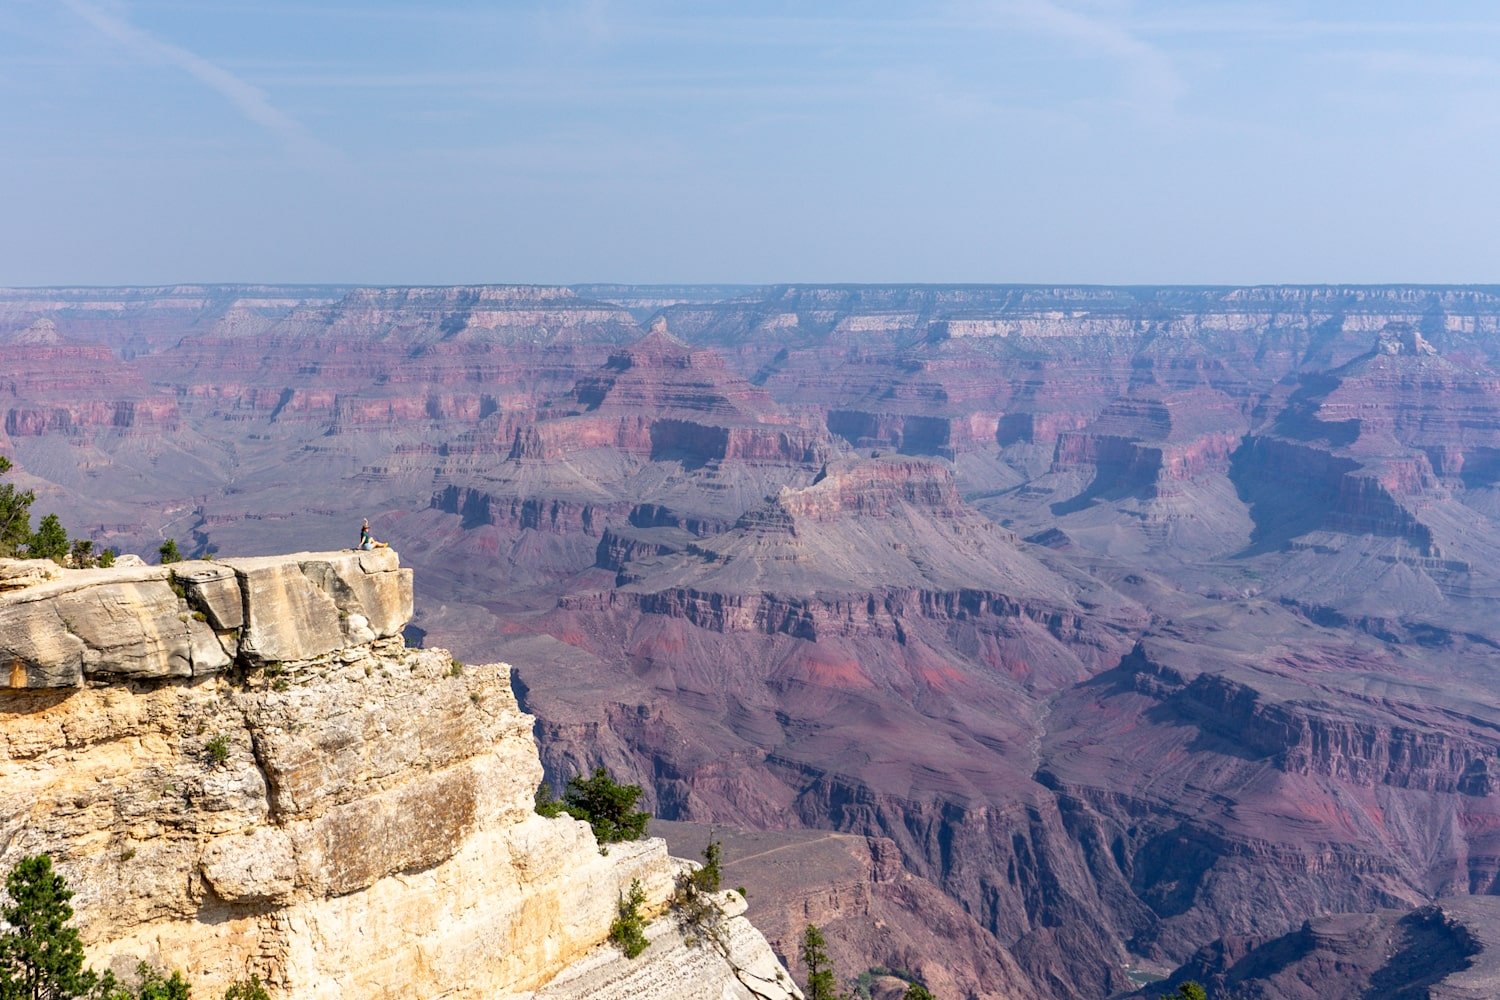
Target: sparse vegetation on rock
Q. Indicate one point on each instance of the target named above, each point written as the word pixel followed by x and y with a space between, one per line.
pixel 155 985
pixel 216 750
pixel 696 911
pixel 629 929
pixel 49 541
pixel 41 954
pixel 602 803
pixel 547 804
pixel 247 989
pixel 81 555
pixel 711 875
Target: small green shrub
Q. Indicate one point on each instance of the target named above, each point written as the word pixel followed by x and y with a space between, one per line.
pixel 1190 990
pixel 628 931
pixel 107 558
pixel 50 541
pixel 546 804
pixel 217 750
pixel 169 552
pixel 455 667
pixel 155 986
pixel 607 806
pixel 247 989
pixel 710 876
pixel 692 901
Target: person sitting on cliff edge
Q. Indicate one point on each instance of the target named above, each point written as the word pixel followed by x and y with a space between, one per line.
pixel 367 541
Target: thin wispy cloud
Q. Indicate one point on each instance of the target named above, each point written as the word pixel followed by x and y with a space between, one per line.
pixel 247 98
pixel 1153 82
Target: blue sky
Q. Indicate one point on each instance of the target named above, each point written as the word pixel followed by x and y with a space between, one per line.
pixel 604 140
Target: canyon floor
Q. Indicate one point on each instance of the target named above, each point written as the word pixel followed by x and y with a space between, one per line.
pixel 1045 633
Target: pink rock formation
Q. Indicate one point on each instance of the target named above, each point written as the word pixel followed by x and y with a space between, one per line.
pixel 1241 676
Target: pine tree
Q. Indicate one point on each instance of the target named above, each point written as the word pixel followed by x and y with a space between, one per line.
pixel 821 984
pixel 82 554
pixel 168 552
pixel 15 514
pixel 50 540
pixel 607 806
pixel 41 957
pixel 710 877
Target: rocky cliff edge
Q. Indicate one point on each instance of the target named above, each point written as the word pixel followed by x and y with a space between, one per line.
pixel 240 768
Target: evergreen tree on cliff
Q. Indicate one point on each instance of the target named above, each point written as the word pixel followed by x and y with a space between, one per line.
pixel 15 514
pixel 1190 990
pixel 607 806
pixel 41 957
pixel 50 540
pixel 821 984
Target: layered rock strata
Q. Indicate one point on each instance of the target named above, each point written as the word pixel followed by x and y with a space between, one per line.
pixel 240 768
pixel 1308 476
pixel 1445 950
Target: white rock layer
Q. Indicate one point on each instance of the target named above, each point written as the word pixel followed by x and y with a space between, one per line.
pixel 240 768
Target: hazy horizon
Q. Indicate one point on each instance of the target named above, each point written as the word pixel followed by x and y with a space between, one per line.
pixel 1491 286
pixel 1103 142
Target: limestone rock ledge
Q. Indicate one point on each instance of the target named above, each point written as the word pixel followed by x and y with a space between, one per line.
pixel 190 619
pixel 239 768
pixel 737 965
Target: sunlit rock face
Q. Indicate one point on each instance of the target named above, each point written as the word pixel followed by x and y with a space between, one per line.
pixel 240 768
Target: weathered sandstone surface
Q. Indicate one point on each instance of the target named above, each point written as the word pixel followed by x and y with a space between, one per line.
pixel 241 768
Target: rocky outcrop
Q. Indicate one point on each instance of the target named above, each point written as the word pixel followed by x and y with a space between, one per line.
pixel 240 768
pixel 195 619
pixel 734 962
pixel 1443 951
